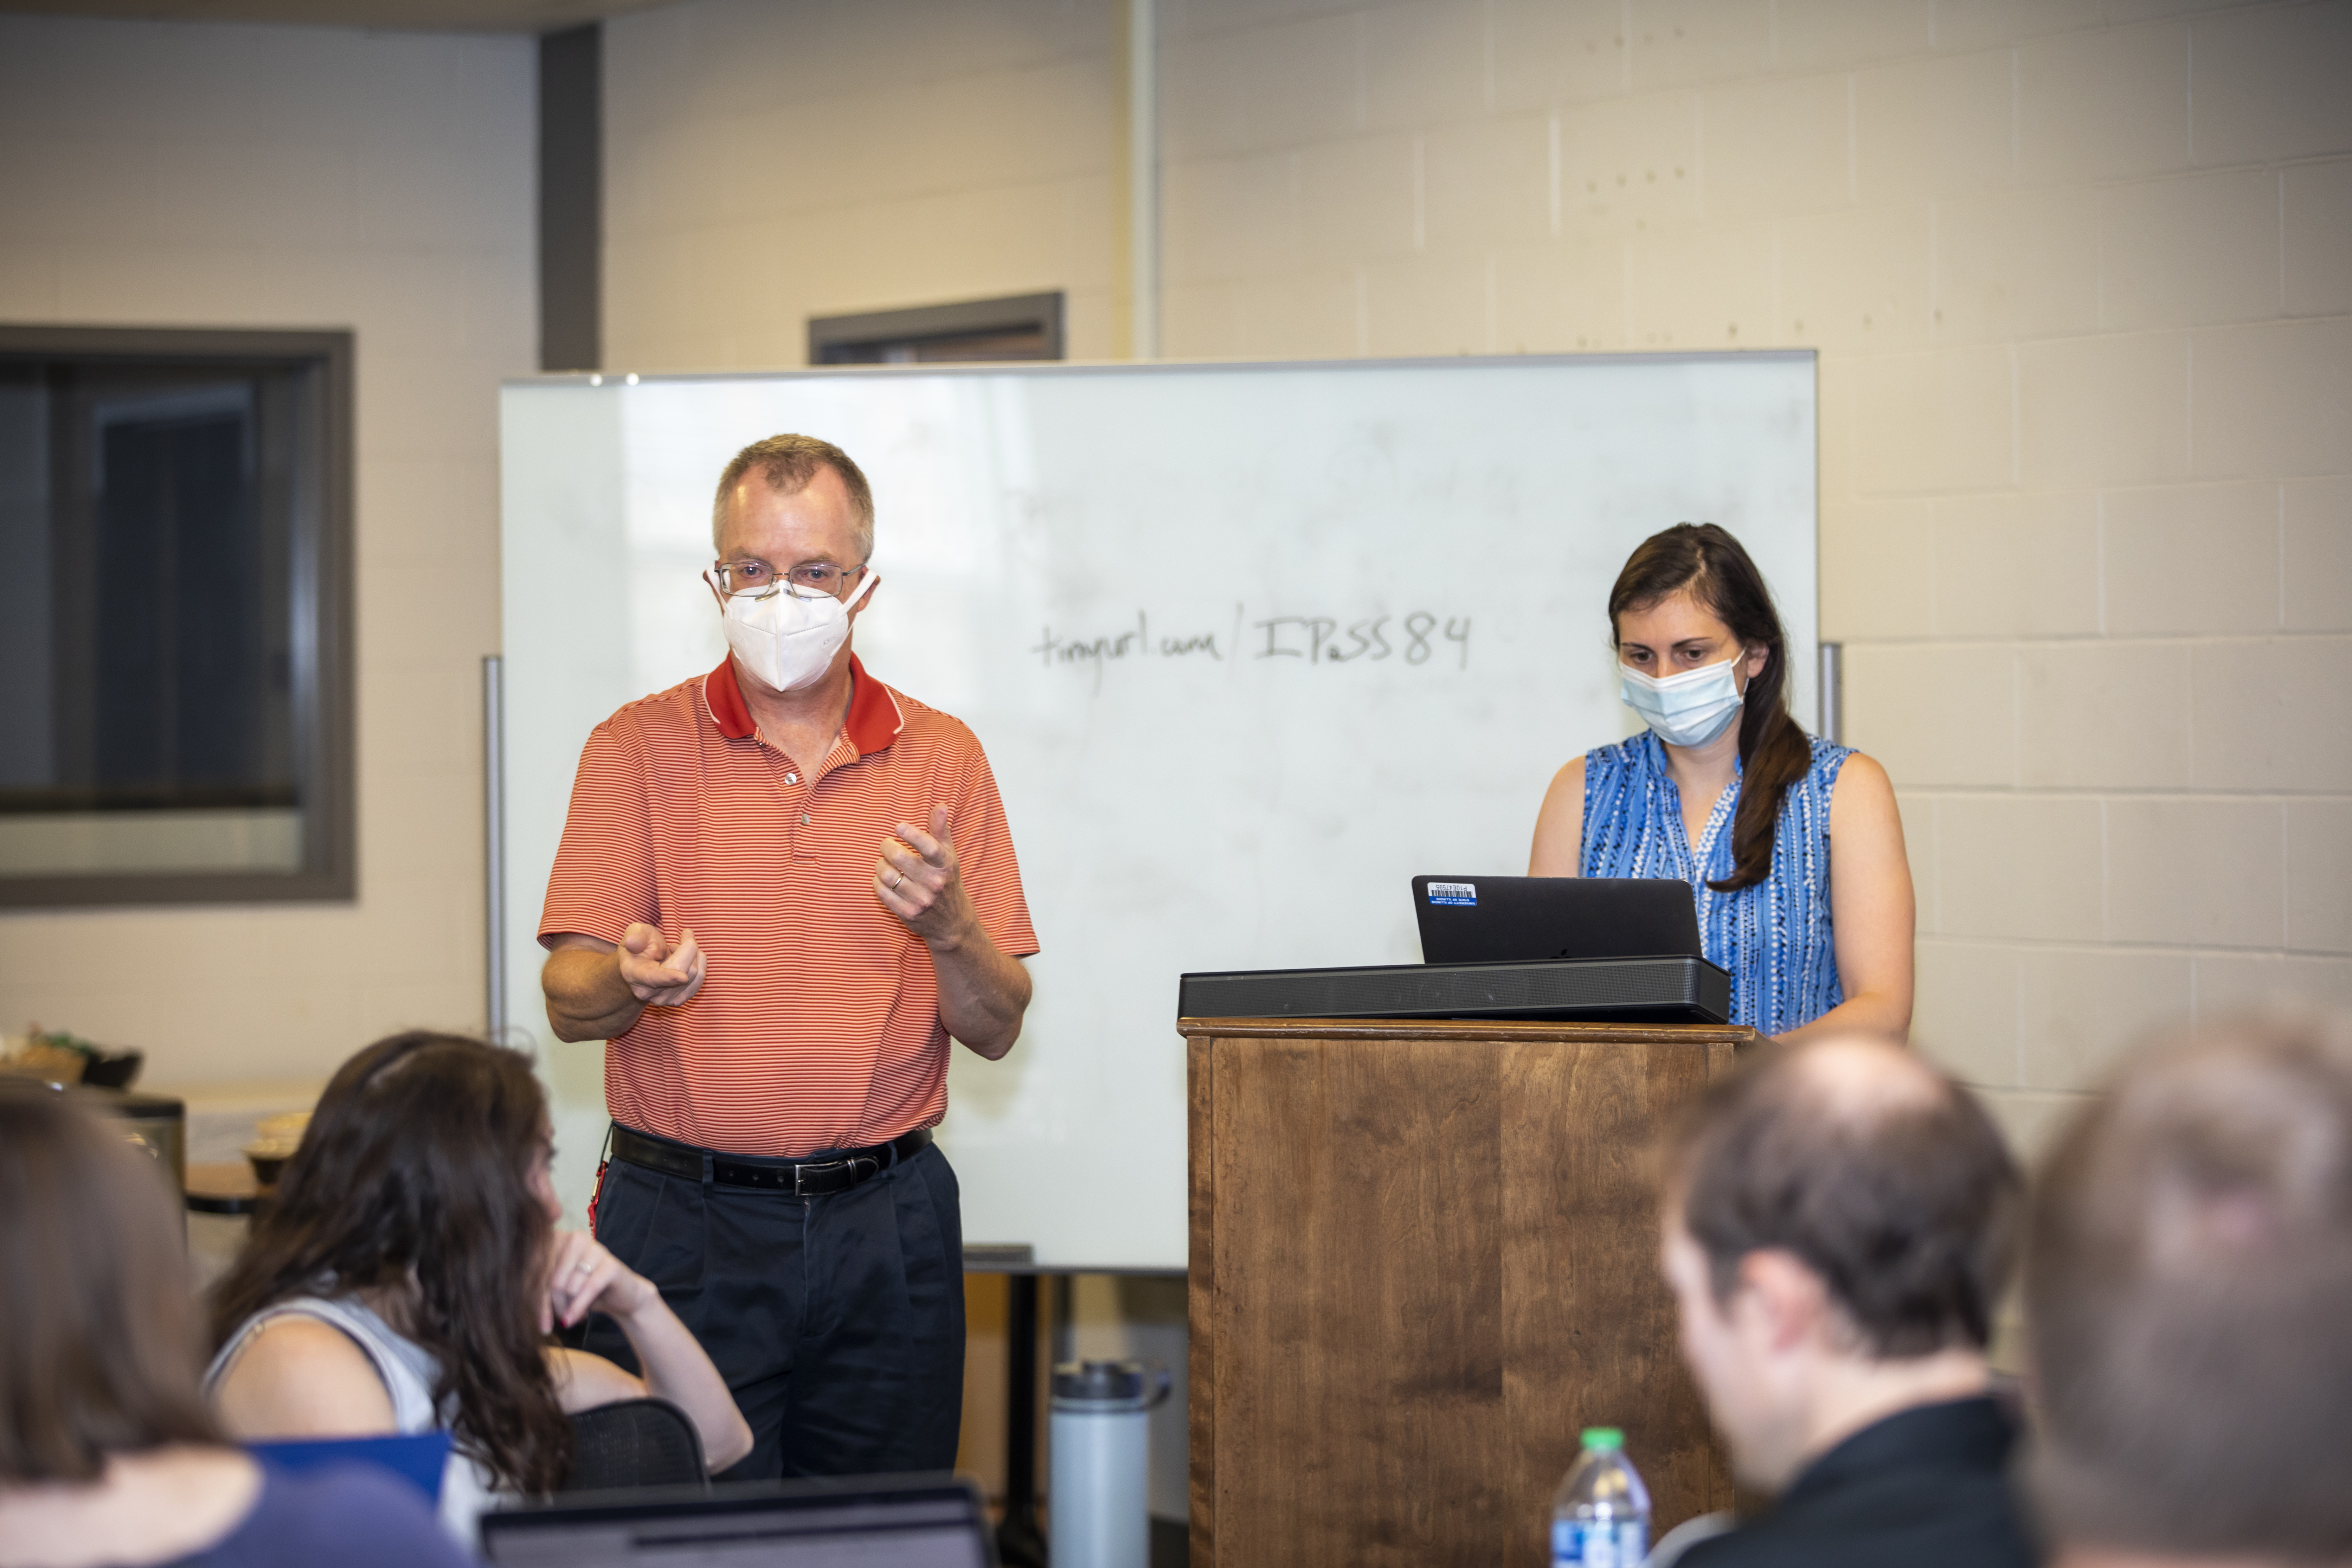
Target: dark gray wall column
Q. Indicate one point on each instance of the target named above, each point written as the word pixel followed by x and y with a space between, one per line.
pixel 571 198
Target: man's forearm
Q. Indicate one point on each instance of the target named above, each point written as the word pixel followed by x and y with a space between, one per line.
pixel 983 994
pixel 586 997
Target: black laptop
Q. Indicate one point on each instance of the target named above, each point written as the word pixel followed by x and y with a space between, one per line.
pixel 1565 949
pixel 912 1521
pixel 1526 920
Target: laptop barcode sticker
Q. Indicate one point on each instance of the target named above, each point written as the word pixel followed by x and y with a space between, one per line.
pixel 1454 892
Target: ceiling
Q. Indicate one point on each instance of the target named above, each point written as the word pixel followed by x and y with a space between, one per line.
pixel 425 15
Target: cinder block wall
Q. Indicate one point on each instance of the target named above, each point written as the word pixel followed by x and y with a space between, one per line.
pixel 159 174
pixel 2080 272
pixel 765 164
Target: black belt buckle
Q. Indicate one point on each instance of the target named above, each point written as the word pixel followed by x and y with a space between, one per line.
pixel 819 1178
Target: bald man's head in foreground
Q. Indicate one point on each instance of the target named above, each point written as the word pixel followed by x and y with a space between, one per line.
pixel 1838 1220
pixel 2189 1301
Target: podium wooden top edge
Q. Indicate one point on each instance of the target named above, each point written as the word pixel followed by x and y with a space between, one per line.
pixel 1465 1029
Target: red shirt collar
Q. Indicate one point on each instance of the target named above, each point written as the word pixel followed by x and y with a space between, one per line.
pixel 874 719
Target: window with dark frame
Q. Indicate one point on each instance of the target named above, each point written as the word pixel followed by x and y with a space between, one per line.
pixel 1016 327
pixel 175 582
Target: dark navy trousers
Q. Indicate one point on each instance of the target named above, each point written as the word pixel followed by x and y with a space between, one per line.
pixel 837 1321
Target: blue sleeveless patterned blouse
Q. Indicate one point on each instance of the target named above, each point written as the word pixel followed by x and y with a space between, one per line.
pixel 1772 938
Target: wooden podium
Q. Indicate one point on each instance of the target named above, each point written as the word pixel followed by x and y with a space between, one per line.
pixel 1423 1256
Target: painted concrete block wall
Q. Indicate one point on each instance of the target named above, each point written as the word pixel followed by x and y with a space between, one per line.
pixel 765 164
pixel 157 175
pixel 2080 272
pixel 2079 275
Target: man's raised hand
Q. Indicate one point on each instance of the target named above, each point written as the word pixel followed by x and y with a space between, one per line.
pixel 918 879
pixel 657 974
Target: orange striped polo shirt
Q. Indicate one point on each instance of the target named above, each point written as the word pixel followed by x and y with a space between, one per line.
pixel 817 1026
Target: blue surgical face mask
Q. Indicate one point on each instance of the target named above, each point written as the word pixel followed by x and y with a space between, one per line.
pixel 1686 709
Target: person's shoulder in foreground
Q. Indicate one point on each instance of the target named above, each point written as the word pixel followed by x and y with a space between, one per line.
pixel 1924 1487
pixel 349 1516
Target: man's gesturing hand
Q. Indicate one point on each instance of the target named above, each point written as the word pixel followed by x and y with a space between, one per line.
pixel 657 974
pixel 918 879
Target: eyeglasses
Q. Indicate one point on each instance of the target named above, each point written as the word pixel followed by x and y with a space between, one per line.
pixel 758 579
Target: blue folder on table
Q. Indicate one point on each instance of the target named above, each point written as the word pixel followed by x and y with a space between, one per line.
pixel 418 1458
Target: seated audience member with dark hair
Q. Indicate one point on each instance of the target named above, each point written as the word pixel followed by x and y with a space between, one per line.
pixel 1838 1220
pixel 107 1452
pixel 2188 1303
pixel 409 1273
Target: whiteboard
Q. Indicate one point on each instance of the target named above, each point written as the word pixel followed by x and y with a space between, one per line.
pixel 1248 647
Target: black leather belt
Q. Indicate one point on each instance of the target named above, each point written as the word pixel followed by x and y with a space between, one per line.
pixel 834 1172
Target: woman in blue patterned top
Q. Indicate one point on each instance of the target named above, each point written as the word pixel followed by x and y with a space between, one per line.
pixel 1725 793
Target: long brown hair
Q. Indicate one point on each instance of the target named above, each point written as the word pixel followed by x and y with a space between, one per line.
pixel 413 1178
pixel 1706 561
pixel 97 1321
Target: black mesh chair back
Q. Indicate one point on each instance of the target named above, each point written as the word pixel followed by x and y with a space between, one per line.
pixel 635 1443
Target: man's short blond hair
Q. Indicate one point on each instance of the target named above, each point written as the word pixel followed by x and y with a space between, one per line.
pixel 789 463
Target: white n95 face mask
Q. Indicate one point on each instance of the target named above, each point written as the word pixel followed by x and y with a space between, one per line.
pixel 1686 709
pixel 788 639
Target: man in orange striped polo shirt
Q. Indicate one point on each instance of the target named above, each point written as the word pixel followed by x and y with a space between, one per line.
pixel 782 887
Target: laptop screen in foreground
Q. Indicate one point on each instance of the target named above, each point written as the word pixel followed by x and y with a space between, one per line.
pixel 933 1531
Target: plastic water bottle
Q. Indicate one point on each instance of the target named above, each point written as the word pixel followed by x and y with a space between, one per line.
pixel 1601 1515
